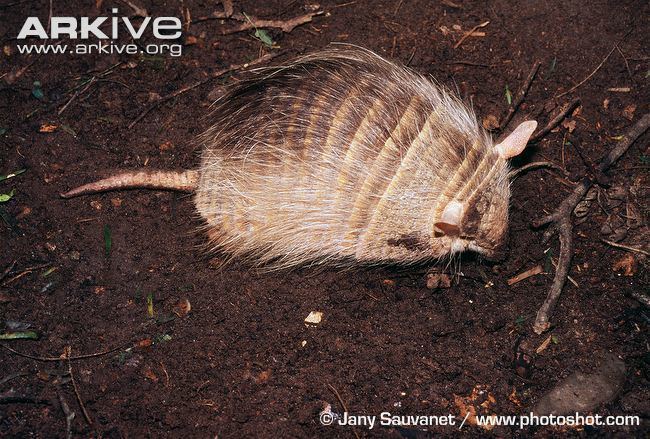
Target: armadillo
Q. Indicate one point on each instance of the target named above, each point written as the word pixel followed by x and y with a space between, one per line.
pixel 343 156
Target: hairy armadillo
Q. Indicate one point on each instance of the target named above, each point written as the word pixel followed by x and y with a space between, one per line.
pixel 344 156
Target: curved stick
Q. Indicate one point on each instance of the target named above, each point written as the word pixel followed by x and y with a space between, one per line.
pixel 561 223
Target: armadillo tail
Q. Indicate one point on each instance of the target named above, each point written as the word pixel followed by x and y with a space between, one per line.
pixel 183 181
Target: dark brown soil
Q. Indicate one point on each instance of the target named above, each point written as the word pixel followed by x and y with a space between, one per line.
pixel 242 363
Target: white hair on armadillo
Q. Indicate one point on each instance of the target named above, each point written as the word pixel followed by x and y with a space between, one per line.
pixel 342 155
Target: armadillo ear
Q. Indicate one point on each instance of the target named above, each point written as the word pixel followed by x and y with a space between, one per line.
pixel 516 141
pixel 450 219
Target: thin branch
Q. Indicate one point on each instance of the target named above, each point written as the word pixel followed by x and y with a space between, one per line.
pixel 187 88
pixel 534 165
pixel 285 25
pixel 468 34
pixel 525 275
pixel 69 414
pixel 625 247
pixel 8 270
pixel 76 389
pixel 590 75
pixel 521 94
pixel 76 94
pixel 78 357
pixel 566 109
pixel 561 223
pixel 345 407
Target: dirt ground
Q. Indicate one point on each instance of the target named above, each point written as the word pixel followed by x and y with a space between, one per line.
pixel 242 362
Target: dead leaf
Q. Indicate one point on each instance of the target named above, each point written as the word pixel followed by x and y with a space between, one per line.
pixel 628 112
pixel 182 308
pixel 468 405
pixel 24 212
pixel 542 347
pixel 577 112
pixel 627 264
pixel 606 104
pixel 191 40
pixel 451 4
pixel 7 50
pixel 513 397
pixel 15 73
pixel 144 343
pixel 47 128
pixel 569 124
pixel 263 376
pixel 490 122
pixel 148 373
pixel 438 280
pixel 166 146
pixel 116 202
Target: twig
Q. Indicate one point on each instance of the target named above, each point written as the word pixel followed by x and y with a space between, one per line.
pixel 521 94
pixel 625 247
pixel 13 376
pixel 68 352
pixel 138 11
pixel 566 109
pixel 77 93
pixel 345 407
pixel 49 18
pixel 470 63
pixel 627 65
pixel 8 269
pixel 69 414
pixel 24 272
pixel 214 16
pixel 569 278
pixel 534 165
pixel 560 222
pixel 597 175
pixel 590 75
pixel 198 84
pixel 399 5
pixel 78 357
pixel 525 275
pixel 166 374
pixel 10 397
pixel 467 34
pixel 286 25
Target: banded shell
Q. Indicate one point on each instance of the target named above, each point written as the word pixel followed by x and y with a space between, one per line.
pixel 343 154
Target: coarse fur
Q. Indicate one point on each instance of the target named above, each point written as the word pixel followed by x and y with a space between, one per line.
pixel 343 155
